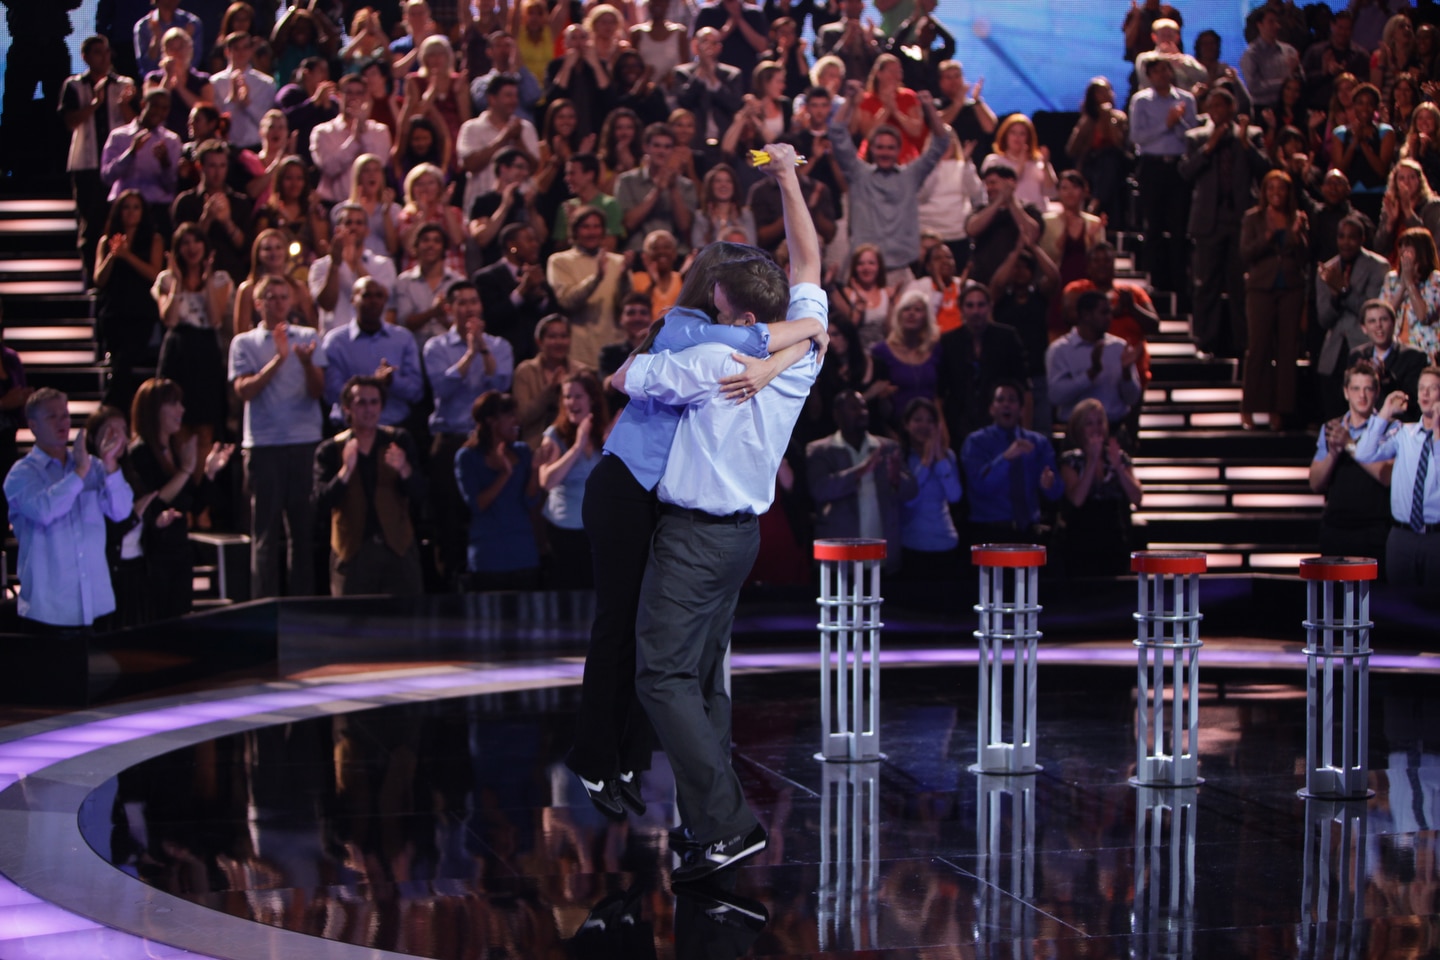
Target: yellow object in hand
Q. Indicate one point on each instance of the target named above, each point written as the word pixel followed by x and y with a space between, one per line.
pixel 758 158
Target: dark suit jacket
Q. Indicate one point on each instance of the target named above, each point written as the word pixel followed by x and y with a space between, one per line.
pixel 720 103
pixel 1266 260
pixel 1209 212
pixel 502 318
pixel 966 386
pixel 1402 372
pixel 834 486
pixel 1339 314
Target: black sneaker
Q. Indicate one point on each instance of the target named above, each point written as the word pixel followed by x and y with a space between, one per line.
pixel 627 788
pixel 606 798
pixel 701 862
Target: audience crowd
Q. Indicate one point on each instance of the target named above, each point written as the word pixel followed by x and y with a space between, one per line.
pixel 394 252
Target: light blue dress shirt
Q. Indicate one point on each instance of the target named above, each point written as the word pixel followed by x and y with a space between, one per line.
pixel 925 522
pixel 59 520
pixel 1148 130
pixel 351 352
pixel 1380 442
pixel 284 412
pixel 455 393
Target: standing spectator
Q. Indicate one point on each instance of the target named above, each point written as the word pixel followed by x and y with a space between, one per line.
pixel 279 372
pixel 1008 470
pixel 419 298
pixel 427 203
pixel 150 30
pixel 1274 246
pixel 654 196
pixel 511 201
pixel 1356 521
pixel 436 90
pixel 864 300
pixel 308 102
pixel 996 228
pixel 38 56
pixel 335 144
pixel 619 145
pixel 144 156
pixel 1396 367
pixel 1139 26
pixel 1408 202
pixel 1223 163
pixel 93 103
pixel 1364 149
pixel 513 290
pixel 194 300
pixel 743 28
pixel 940 286
pixel 1395 54
pixel 1334 207
pixel 166 474
pixel 420 141
pixel 582 179
pixel 498 129
pixel 657 276
pixel 588 285
pixel 59 502
pixel 505 62
pixel 887 101
pixel 270 257
pixel 538 380
pixel 1413 289
pixel 187 86
pixel 461 364
pixel 925 45
pixel 962 107
pixel 1018 147
pixel 908 360
pixel 1323 62
pixel 129 258
pixel 1100 490
pixel 1343 285
pixel 366 479
pixel 535 26
pixel 856 43
pixel 1422 142
pixel 580 77
pixel 721 209
pixel 1097 147
pixel 301 34
pixel 1024 288
pixel 493 471
pixel 1090 362
pixel 571 448
pixel 1070 234
pixel 951 193
pixel 973 360
pixel 927 532
pixel 242 91
pixel 1412 550
pixel 347 262
pixel 1159 118
pixel 1189 72
pixel 370 347
pixel 662 44
pixel 713 91
pixel 766 208
pixel 1268 62
pixel 859 481
pixel 1132 314
pixel 368 190
pixel 635 321
pixel 419 26
pixel 881 186
pixel 222 214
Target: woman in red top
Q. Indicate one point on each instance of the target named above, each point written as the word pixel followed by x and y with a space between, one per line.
pixel 886 102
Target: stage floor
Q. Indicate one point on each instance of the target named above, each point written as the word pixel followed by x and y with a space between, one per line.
pixel 425 812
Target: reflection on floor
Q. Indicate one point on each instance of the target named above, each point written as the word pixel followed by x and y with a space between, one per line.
pixel 449 829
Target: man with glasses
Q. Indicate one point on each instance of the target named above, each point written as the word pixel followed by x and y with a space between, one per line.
pixel 335 144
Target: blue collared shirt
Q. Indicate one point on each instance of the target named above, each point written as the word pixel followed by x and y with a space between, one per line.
pixel 987 473
pixel 59 520
pixel 1148 131
pixel 284 412
pixel 455 392
pixel 351 352
pixel 1381 442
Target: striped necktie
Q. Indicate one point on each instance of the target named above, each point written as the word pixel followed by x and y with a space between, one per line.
pixel 1417 499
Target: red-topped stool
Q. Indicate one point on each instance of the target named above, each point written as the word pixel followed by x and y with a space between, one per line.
pixel 1167 646
pixel 1337 676
pixel 1009 614
pixel 849 648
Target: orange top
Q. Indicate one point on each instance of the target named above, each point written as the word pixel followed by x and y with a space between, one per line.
pixel 1008 555
pixel 1168 561
pixel 850 549
pixel 1350 569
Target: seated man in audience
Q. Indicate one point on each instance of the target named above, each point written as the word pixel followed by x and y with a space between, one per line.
pixel 1356 520
pixel 881 187
pixel 419 297
pixel 59 501
pixel 336 144
pixel 460 364
pixel 278 370
pixel 582 178
pixel 366 479
pixel 654 196
pixel 222 213
pixel 333 276
pixel 1412 549
pixel 1343 285
pixel 368 346
pixel 996 228
pixel 1397 367
pixel 1091 362
pixel 513 292
pixel 1268 62
pixel 973 361
pixel 1008 469
pixel 858 480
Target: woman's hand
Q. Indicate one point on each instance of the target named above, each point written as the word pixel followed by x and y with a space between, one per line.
pixel 218 458
pixel 742 386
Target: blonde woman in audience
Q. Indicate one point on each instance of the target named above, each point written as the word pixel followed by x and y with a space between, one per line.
pixel 382 213
pixel 607 32
pixel 436 89
pixel 427 200
pixel 682 155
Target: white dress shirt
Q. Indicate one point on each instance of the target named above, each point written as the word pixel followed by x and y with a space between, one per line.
pixel 381 268
pixel 334 148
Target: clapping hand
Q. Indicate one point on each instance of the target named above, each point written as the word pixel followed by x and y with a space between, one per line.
pixel 385 372
pixel 349 457
pixel 305 351
pixel 281 333
pixel 1047 479
pixel 218 457
pixel 396 460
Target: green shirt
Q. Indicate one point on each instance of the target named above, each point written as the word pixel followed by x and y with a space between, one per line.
pixel 614 218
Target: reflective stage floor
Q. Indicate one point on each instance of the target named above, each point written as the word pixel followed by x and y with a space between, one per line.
pixel 425 812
